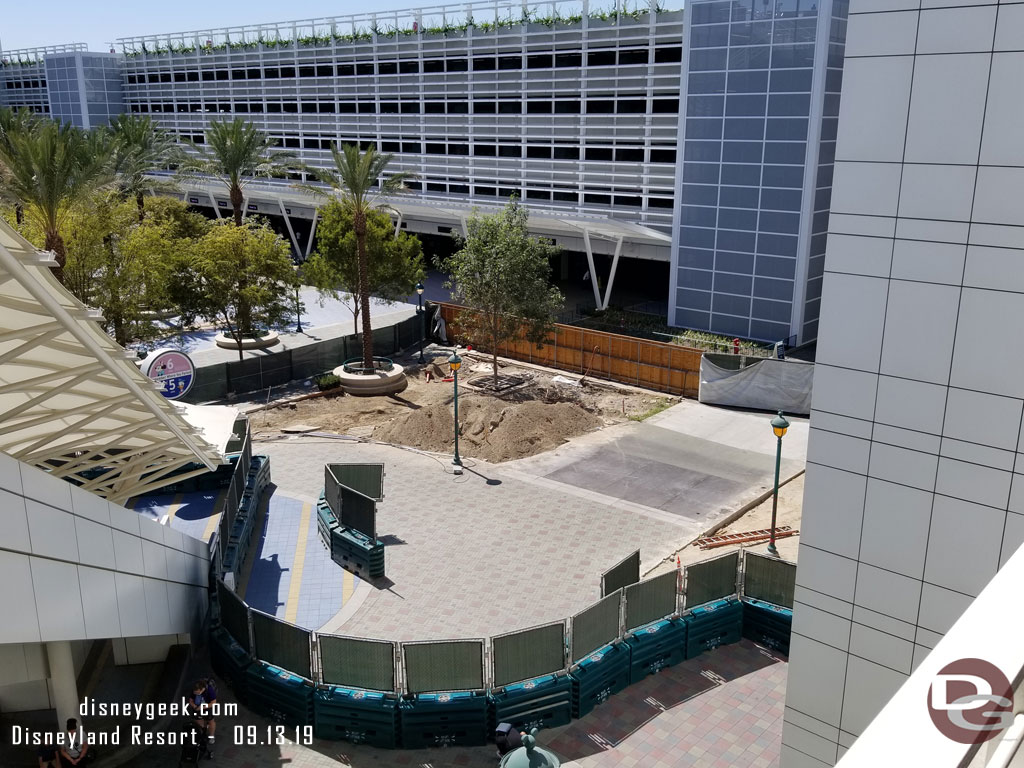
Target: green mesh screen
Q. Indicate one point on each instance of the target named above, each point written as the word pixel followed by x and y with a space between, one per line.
pixel 368 479
pixel 711 579
pixel 650 600
pixel 366 664
pixel 529 653
pixel 596 626
pixel 282 644
pixel 454 665
pixel 234 615
pixel 769 579
pixel 622 575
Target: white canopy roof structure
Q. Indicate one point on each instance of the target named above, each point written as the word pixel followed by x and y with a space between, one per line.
pixel 71 400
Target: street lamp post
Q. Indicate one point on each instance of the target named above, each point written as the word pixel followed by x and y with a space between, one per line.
pixel 779 427
pixel 419 311
pixel 454 363
pixel 298 302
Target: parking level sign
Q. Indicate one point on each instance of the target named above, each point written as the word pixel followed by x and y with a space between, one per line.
pixel 173 371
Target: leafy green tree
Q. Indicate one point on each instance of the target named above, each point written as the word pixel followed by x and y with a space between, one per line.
pixel 140 146
pixel 359 179
pixel 49 170
pixel 14 123
pixel 505 275
pixel 240 276
pixel 235 152
pixel 394 262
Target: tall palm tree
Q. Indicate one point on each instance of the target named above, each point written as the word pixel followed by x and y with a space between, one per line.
pixel 50 169
pixel 358 178
pixel 233 153
pixel 14 123
pixel 140 146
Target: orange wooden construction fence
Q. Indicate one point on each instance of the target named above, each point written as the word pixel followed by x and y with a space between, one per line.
pixel 643 363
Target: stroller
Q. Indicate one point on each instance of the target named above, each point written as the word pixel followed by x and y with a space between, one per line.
pixel 197 748
pixel 506 738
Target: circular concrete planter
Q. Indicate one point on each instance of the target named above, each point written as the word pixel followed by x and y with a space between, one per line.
pixel 224 341
pixel 380 382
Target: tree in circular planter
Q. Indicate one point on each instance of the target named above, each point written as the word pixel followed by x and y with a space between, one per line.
pixel 360 184
pixel 240 276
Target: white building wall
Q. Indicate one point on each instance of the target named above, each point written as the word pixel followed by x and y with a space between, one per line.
pixel 912 497
pixel 76 567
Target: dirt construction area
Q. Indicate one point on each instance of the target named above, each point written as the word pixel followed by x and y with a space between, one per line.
pixel 533 410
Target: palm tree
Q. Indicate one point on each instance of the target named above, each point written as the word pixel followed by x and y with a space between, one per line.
pixel 50 169
pixel 233 153
pixel 140 146
pixel 359 180
pixel 14 123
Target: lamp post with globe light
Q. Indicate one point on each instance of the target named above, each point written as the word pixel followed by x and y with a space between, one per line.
pixel 419 311
pixel 779 427
pixel 454 363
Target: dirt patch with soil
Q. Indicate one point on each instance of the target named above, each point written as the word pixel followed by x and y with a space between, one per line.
pixel 537 414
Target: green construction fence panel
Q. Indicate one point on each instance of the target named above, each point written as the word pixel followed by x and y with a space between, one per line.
pixel 769 579
pixel 595 626
pixel 621 575
pixel 449 665
pixel 234 615
pixel 651 600
pixel 711 580
pixel 528 653
pixel 281 644
pixel 356 663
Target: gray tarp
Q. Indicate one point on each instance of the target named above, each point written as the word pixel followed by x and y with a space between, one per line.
pixel 770 385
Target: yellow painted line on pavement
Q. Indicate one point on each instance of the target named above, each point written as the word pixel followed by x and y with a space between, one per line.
pixel 348 585
pixel 173 509
pixel 214 521
pixel 292 605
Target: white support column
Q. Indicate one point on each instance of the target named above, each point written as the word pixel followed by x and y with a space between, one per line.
pixel 593 269
pixel 611 277
pixel 312 231
pixel 245 207
pixel 465 229
pixel 288 223
pixel 213 202
pixel 398 224
pixel 62 681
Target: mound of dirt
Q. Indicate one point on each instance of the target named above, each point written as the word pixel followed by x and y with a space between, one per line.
pixel 493 430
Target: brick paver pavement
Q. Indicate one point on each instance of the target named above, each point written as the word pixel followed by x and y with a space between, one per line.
pixel 478 554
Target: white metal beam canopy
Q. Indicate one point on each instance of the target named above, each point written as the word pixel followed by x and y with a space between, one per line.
pixel 71 401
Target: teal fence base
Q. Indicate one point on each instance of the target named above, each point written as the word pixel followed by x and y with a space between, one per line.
pixel 656 646
pixel 544 702
pixel 361 717
pixel 443 720
pixel 603 673
pixel 230 660
pixel 767 624
pixel 279 695
pixel 712 625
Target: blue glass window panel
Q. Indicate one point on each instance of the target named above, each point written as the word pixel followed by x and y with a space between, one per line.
pixel 693 299
pixel 707 58
pixel 702 173
pixel 785 152
pixel 696 279
pixel 745 106
pixel 775 266
pixel 795 56
pixel 744 128
pixel 827 152
pixel 789 176
pixel 791 80
pixel 742 175
pixel 795 8
pixel 738 197
pixel 829 129
pixel 695 237
pixel 795 30
pixel 767 331
pixel 789 104
pixel 731 305
pixel 786 129
pixel 699 194
pixel 777 245
pixel 748 82
pixel 731 240
pixel 727 261
pixel 709 13
pixel 833 80
pixel 731 326
pixel 699 216
pixel 750 33
pixel 689 318
pixel 703 128
pixel 748 57
pixel 697 258
pixel 702 151
pixel 784 223
pixel 729 283
pixel 733 218
pixel 819 222
pixel 768 288
pixel 742 151
pixel 705 106
pixel 743 10
pixel 706 82
pixel 781 199
pixel 709 36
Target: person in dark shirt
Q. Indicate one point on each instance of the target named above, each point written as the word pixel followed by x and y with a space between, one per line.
pixel 201 702
pixel 48 757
